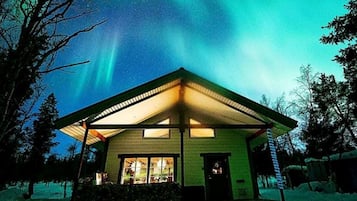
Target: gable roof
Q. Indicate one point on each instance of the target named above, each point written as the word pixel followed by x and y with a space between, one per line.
pixel 130 108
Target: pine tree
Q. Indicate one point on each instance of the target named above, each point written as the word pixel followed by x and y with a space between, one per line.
pixel 332 99
pixel 31 33
pixel 344 31
pixel 41 139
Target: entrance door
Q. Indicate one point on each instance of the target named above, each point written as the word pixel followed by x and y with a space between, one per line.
pixel 218 182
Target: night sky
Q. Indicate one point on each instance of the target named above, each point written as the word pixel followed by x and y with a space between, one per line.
pixel 252 47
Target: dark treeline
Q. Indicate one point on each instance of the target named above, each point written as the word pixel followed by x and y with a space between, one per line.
pixel 54 169
pixel 31 34
pixel 325 107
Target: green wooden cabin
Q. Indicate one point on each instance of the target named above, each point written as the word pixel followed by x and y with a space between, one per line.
pixel 179 128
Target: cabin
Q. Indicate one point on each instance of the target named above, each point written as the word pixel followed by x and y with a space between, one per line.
pixel 179 128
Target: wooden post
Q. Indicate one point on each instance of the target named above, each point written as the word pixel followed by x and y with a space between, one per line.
pixel 181 110
pixel 182 161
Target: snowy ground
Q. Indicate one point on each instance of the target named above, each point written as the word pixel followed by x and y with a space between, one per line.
pixel 303 193
pixel 297 195
pixel 55 191
pixel 42 191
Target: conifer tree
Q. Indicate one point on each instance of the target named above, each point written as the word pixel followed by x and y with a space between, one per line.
pixel 344 31
pixel 41 139
pixel 31 34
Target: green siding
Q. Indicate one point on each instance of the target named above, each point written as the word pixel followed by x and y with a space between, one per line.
pixel 233 142
pixel 226 141
pixel 132 142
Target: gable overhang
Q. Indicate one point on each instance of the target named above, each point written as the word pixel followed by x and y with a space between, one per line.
pixel 130 109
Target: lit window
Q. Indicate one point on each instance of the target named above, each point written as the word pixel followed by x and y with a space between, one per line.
pixel 158 133
pixel 200 132
pixel 161 169
pixel 136 171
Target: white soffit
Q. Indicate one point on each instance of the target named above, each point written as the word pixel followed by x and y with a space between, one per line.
pixel 141 103
pixel 131 101
pixel 77 132
pixel 216 105
pixel 143 110
pixel 139 111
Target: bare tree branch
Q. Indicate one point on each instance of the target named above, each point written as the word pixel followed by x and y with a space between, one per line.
pixel 65 41
pixel 62 67
pixel 30 39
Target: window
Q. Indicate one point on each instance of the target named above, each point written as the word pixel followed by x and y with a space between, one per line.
pixel 200 132
pixel 134 171
pixel 158 133
pixel 151 169
pixel 161 169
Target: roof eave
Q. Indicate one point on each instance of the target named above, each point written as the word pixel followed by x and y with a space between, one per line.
pixel 102 105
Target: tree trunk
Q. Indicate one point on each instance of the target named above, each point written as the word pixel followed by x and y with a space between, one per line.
pixel 65 189
pixel 30 189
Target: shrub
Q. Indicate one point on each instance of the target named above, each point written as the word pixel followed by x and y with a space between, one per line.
pixel 145 192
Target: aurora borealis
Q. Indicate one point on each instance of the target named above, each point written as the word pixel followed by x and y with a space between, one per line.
pixel 252 47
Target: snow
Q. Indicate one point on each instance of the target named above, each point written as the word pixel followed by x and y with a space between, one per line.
pixel 295 167
pixel 54 191
pixel 309 160
pixel 305 195
pixel 318 186
pixel 334 157
pixel 12 194
pixel 344 155
pixel 42 191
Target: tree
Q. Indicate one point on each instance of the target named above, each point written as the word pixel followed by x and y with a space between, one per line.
pixel 319 134
pixel 335 113
pixel 329 128
pixel 285 147
pixel 71 162
pixel 30 37
pixel 344 31
pixel 41 139
pixel 9 154
pixel 31 33
pixel 303 95
pixel 332 101
pixel 71 150
pixel 281 105
pixel 305 108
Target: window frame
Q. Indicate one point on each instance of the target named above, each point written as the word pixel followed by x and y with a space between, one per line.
pixel 169 130
pixel 191 129
pixel 122 158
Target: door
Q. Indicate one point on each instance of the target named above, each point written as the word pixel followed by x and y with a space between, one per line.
pixel 218 182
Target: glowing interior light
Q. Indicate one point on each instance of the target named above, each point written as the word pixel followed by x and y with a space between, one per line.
pixel 161 164
pixel 136 167
pixel 200 132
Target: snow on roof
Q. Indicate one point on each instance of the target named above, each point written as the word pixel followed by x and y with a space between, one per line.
pixel 344 155
pixel 309 160
pixel 334 157
pixel 295 167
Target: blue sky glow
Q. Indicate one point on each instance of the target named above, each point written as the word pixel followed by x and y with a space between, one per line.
pixel 250 47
